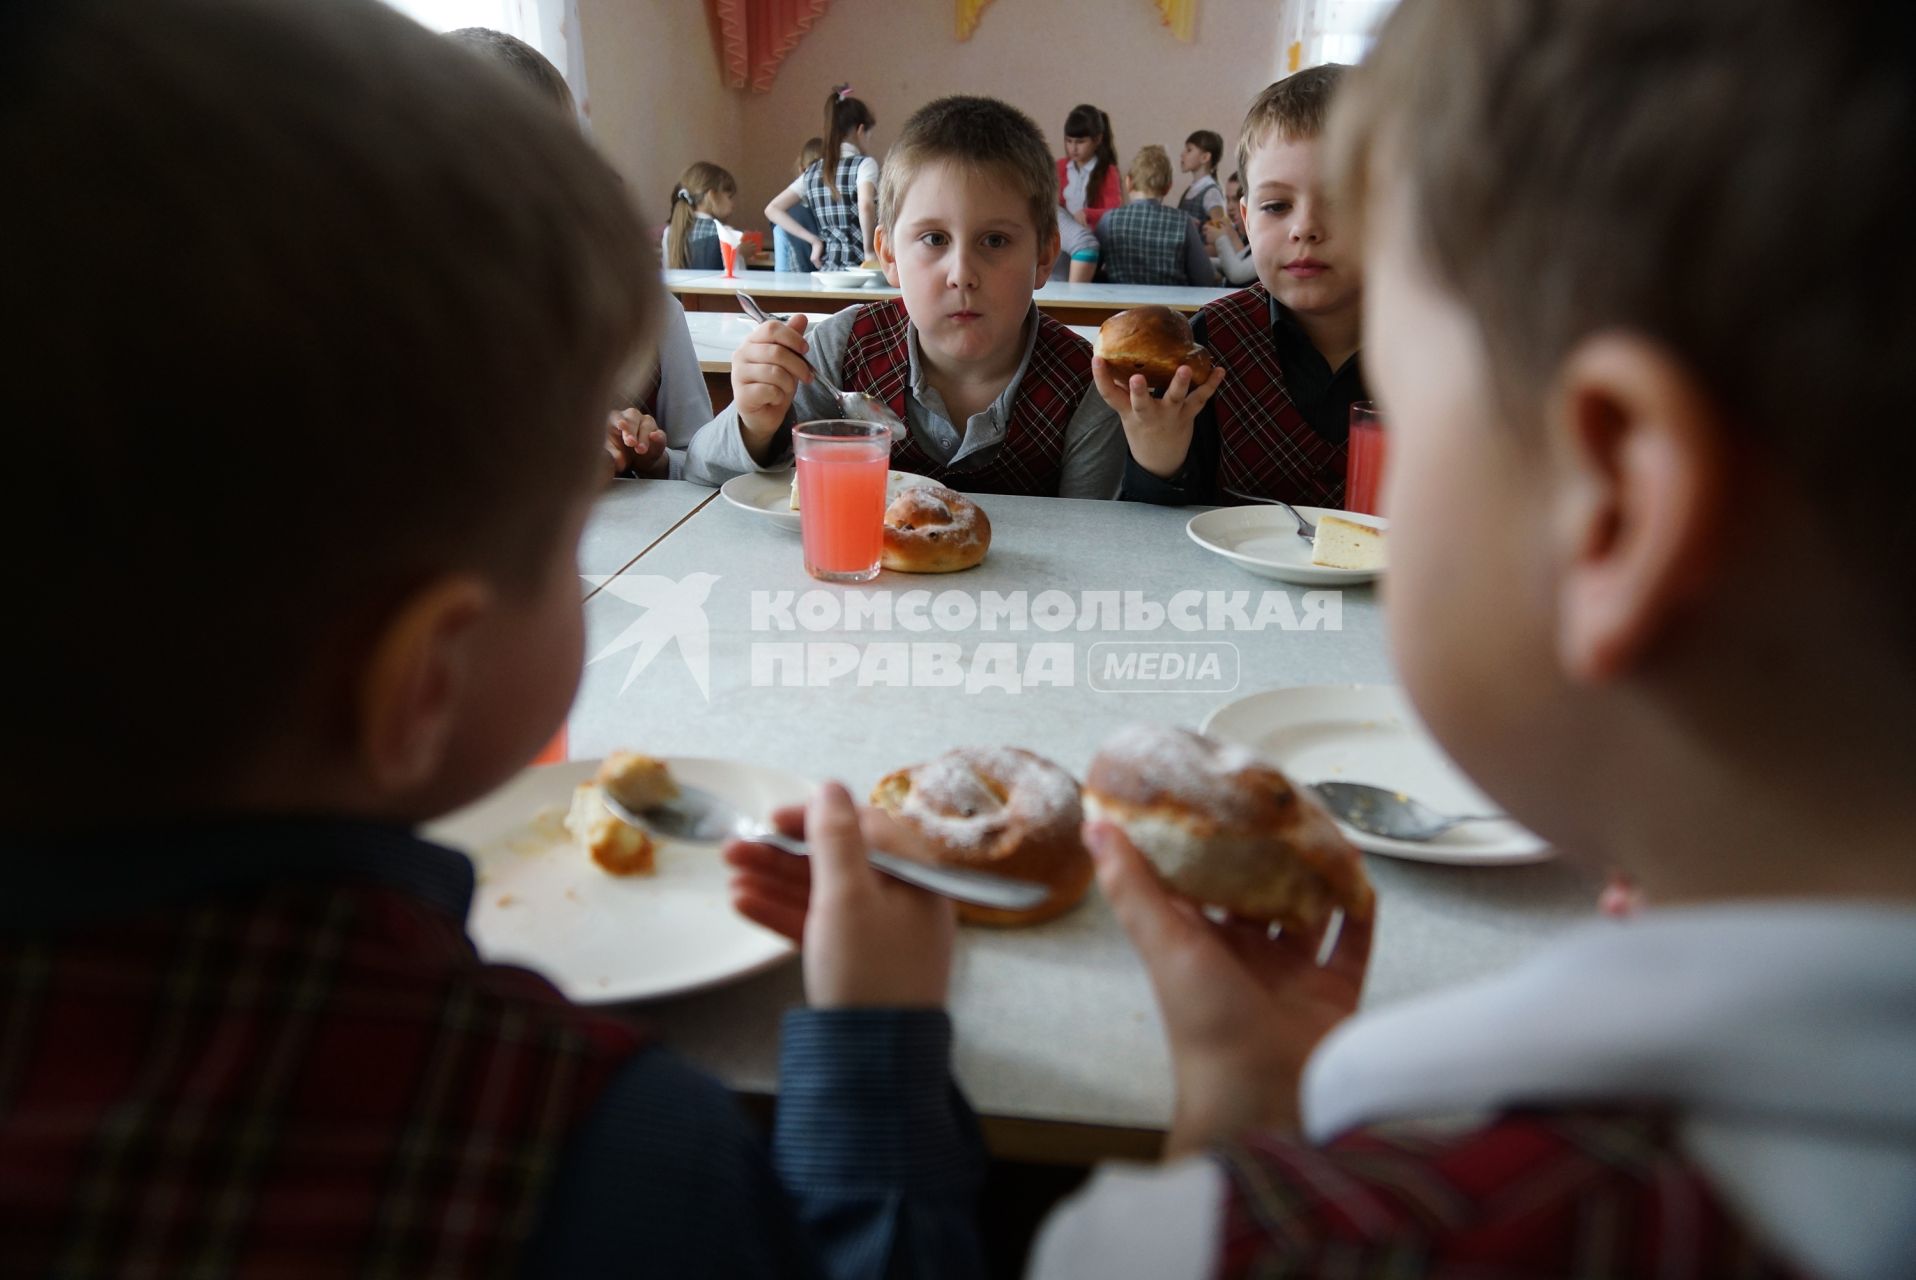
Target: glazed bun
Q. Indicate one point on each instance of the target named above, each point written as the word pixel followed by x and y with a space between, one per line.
pixel 997 809
pixel 932 529
pixel 1152 341
pixel 1225 829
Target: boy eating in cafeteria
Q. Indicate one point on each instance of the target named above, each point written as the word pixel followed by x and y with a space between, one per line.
pixel 275 623
pixel 1632 597
pixel 996 396
pixel 1272 420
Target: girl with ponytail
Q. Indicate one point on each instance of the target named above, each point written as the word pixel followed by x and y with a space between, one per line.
pixel 702 199
pixel 1088 183
pixel 841 187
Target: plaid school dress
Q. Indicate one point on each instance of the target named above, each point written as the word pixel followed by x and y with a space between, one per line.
pixel 290 1080
pixel 1265 445
pixel 1603 1195
pixel 837 214
pixel 1031 459
pixel 1143 243
pixel 1195 201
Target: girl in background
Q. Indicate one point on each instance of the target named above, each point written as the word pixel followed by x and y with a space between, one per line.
pixel 1088 183
pixel 1203 201
pixel 786 254
pixel 702 199
pixel 841 186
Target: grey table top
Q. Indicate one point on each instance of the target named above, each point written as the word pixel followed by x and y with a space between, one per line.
pixel 1056 1022
pixel 628 518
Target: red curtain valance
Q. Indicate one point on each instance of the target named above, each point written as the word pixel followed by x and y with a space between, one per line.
pixel 755 35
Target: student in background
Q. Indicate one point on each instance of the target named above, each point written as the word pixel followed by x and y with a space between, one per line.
pixel 786 254
pixel 1145 241
pixel 841 187
pixel 1077 251
pixel 1088 183
pixel 1203 201
pixel 702 198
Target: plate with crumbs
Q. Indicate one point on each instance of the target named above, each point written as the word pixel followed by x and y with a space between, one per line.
pixel 769 493
pixel 544 904
pixel 1370 733
pixel 1265 541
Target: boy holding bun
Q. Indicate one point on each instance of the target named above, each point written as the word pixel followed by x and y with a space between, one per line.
pixel 1628 596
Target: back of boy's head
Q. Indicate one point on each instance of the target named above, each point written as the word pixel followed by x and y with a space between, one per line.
pixel 983 136
pixel 309 307
pixel 1293 109
pixel 1151 171
pixel 533 68
pixel 1730 178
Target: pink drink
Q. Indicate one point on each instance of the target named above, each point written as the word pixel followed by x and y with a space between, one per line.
pixel 841 497
pixel 1364 463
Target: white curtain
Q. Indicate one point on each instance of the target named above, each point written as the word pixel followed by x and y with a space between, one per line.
pixel 550 26
pixel 1333 30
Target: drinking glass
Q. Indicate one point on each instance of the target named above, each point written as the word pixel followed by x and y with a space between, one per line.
pixel 1364 461
pixel 842 466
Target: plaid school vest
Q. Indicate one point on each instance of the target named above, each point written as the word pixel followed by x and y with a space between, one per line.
pixel 1143 243
pixel 1031 459
pixel 299 1080
pixel 837 216
pixel 1588 1194
pixel 1265 447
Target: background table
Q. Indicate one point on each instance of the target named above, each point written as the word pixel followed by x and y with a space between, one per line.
pixel 1059 1044
pixel 1088 304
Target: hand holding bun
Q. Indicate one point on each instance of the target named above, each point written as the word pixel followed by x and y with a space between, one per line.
pixel 1152 341
pixel 932 529
pixel 997 809
pixel 1224 829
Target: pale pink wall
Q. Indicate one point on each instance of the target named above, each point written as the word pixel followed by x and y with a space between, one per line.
pixel 657 102
pixel 656 99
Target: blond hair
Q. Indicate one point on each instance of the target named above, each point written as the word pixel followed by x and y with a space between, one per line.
pixel 1293 108
pixel 700 181
pixel 1151 171
pixel 1562 183
pixel 985 136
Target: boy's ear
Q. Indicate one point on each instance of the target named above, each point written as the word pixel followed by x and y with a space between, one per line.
pixel 1646 451
pixel 886 253
pixel 1049 246
pixel 415 680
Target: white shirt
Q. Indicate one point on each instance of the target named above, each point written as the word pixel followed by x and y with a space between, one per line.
pixel 1783 1034
pixel 1076 178
pixel 867 170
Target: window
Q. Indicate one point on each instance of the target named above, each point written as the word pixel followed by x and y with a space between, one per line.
pixel 1332 31
pixel 543 24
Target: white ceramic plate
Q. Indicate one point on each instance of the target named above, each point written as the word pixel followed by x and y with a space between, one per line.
pixel 1264 540
pixel 543 903
pixel 769 493
pixel 855 278
pixel 1368 733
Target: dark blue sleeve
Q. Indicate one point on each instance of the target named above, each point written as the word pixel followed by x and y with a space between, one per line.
pixel 668 1177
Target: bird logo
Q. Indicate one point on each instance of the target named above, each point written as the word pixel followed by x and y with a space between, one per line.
pixel 674 613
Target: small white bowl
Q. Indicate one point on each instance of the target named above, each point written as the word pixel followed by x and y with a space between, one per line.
pixel 853 279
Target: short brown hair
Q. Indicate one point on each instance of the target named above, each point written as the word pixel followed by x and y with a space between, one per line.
pixel 1573 166
pixel 983 135
pixel 1151 171
pixel 532 67
pixel 1294 108
pixel 360 329
pixel 1208 141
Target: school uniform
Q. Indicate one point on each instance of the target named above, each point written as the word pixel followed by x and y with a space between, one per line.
pixel 837 213
pixel 1201 198
pixel 1146 242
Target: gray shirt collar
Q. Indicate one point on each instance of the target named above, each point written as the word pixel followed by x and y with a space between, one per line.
pixel 984 430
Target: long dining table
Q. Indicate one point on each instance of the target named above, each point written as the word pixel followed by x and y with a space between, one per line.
pixel 1059 1044
pixel 1088 304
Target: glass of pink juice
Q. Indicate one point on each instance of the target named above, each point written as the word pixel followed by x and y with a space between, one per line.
pixel 841 497
pixel 1364 462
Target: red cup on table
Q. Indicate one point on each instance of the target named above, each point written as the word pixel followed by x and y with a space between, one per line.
pixel 1364 461
pixel 842 466
pixel 729 252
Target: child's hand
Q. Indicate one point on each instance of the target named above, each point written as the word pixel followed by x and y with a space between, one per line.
pixel 818 254
pixel 766 371
pixel 1157 431
pixel 1242 1011
pixel 869 940
pixel 635 443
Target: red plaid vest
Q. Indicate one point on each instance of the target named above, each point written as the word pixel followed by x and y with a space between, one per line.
pixel 1031 459
pixel 1265 447
pixel 1532 1194
pixel 304 1080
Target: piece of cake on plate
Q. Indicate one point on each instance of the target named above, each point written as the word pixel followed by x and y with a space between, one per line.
pixel 635 781
pixel 1346 544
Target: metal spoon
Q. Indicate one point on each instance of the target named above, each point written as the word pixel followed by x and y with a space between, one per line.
pixel 1305 529
pixel 1382 811
pixel 698 816
pixel 853 404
